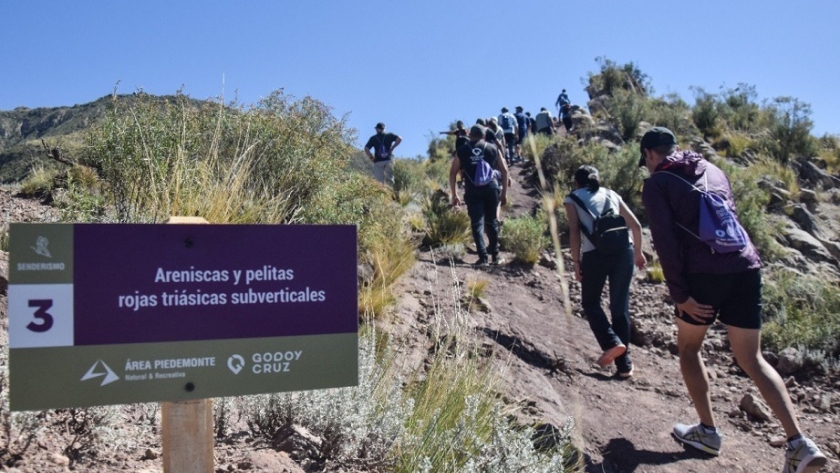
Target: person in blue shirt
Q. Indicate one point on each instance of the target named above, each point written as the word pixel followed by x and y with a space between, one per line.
pixel 524 124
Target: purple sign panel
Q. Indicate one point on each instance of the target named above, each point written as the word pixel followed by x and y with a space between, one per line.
pixel 161 283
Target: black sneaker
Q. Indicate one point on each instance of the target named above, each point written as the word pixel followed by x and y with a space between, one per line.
pixel 496 260
pixel 481 263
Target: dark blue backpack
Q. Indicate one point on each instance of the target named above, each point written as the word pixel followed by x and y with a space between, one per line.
pixel 718 225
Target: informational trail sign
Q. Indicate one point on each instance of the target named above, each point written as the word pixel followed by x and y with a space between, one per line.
pixel 123 313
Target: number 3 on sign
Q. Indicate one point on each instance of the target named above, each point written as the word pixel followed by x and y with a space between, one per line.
pixel 40 315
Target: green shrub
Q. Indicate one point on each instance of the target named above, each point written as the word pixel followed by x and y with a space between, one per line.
pixel 736 144
pixel 535 145
pixel 626 110
pixel 525 238
pixel 445 225
pixel 673 113
pixel 706 113
pixel 39 182
pixel 801 311
pixel 614 77
pixel 223 162
pixel 619 170
pixel 830 152
pixel 789 130
pixel 409 177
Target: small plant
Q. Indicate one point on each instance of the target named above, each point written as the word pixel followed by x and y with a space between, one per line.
pixel 451 251
pixel 475 289
pixel 39 183
pixel 525 237
pixel 655 273
pixel 408 180
pixel 444 225
pixel 801 310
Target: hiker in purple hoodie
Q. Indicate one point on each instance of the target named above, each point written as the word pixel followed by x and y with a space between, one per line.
pixel 708 286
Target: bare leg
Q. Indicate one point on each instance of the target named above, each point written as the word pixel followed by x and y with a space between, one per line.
pixel 690 340
pixel 746 346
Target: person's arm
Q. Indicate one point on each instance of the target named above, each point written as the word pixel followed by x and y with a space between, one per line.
pixel 636 228
pixel 453 174
pixel 574 237
pixel 367 152
pixel 501 164
pixel 397 142
pixel 368 146
pixel 665 239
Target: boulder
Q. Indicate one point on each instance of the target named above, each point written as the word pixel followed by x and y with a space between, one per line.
pixel 807 196
pixel 807 245
pixel 812 173
pixel 755 407
pixel 790 361
pixel 581 119
pixel 806 221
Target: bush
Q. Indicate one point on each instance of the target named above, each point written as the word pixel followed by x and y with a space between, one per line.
pixel 801 311
pixel 706 113
pixel 790 130
pixel 626 110
pixel 40 182
pixel 525 238
pixel 225 163
pixel 619 170
pixel 409 177
pixel 384 240
pixel 445 225
pixel 673 113
pixel 614 77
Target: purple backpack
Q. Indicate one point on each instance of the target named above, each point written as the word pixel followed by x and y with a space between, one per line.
pixel 718 225
pixel 484 173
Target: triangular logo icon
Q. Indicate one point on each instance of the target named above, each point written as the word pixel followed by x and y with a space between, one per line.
pixel 106 371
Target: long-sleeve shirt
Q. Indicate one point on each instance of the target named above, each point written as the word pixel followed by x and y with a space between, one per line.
pixel 669 201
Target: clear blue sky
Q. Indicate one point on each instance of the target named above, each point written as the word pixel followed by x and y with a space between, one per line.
pixel 414 65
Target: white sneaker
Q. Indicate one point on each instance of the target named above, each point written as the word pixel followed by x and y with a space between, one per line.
pixel 803 456
pixel 696 436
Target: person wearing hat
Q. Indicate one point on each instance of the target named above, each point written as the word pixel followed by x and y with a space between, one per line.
pixel 383 145
pixel 708 286
pixel 593 266
pixel 482 199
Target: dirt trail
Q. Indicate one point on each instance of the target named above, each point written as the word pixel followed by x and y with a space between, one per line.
pixel 547 360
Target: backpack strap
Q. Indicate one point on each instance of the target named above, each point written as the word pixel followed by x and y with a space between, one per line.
pixel 583 206
pixel 705 183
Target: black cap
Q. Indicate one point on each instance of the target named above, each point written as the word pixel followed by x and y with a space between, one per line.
pixel 380 126
pixel 518 108
pixel 656 136
pixel 504 110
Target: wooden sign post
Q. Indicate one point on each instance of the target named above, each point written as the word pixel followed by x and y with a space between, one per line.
pixel 187 426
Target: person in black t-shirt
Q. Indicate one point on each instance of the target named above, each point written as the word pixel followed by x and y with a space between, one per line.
pixel 482 200
pixel 383 145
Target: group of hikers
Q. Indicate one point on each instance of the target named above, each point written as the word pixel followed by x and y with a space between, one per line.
pixel 506 132
pixel 712 269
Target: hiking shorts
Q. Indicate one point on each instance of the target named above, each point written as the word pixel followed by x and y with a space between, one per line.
pixel 735 297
